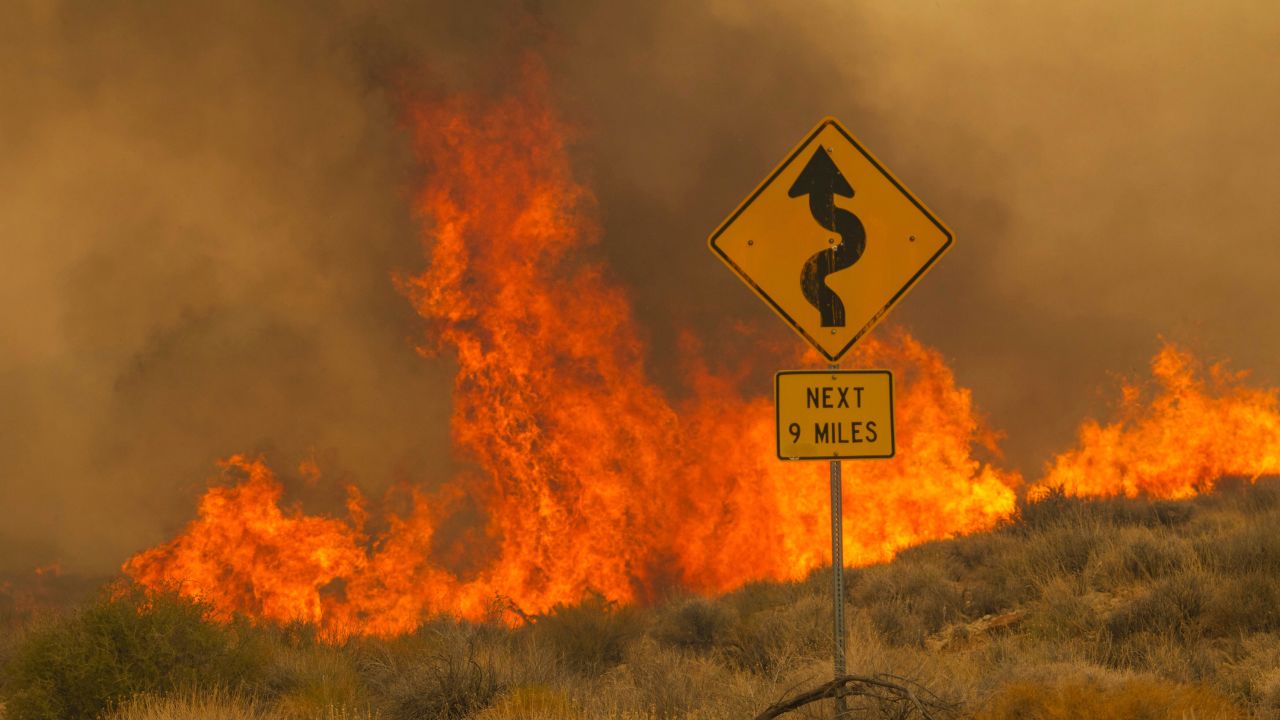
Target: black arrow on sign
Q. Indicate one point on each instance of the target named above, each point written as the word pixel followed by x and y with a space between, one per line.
pixel 821 180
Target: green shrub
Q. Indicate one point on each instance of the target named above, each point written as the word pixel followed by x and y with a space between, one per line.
pixel 88 663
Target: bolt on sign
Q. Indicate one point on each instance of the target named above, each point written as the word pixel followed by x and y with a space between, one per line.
pixel 831 240
pixel 834 414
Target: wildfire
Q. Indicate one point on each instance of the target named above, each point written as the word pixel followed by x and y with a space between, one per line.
pixel 1178 440
pixel 591 477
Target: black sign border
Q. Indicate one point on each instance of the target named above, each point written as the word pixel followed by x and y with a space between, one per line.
pixel 777 416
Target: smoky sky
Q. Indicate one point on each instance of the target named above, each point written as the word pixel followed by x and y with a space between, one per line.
pixel 202 210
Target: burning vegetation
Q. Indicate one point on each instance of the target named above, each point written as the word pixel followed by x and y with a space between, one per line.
pixel 591 479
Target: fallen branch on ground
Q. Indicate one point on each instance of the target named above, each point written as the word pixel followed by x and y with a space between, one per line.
pixel 896 698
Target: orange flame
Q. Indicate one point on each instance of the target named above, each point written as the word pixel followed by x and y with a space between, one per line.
pixel 590 476
pixel 1179 442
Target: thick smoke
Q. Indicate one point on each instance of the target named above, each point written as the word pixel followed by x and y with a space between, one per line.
pixel 201 212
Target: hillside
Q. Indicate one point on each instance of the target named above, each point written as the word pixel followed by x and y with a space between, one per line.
pixel 1120 608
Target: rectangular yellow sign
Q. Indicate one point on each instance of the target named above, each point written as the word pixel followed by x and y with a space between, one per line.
pixel 834 414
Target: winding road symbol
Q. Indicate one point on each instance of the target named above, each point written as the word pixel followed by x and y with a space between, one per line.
pixel 821 180
pixel 799 240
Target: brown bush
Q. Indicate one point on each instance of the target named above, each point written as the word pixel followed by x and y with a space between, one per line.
pixel 768 640
pixel 1170 607
pixel 1133 555
pixel 592 636
pixel 908 601
pixel 1135 699
pixel 1243 604
pixel 1061 614
pixel 1252 547
pixel 694 623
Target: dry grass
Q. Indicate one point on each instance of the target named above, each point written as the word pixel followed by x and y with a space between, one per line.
pixel 1113 609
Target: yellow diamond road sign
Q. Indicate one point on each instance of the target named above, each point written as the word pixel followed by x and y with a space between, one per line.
pixel 831 240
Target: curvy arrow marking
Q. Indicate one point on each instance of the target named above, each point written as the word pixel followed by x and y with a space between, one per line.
pixel 821 180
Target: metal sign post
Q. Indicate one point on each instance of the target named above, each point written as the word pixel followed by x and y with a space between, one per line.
pixel 837 576
pixel 832 270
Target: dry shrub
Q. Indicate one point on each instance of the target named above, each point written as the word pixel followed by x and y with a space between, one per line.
pixel 660 683
pixel 1169 607
pixel 694 623
pixel 757 596
pixel 530 702
pixel 1061 614
pixel 1133 699
pixel 1052 509
pixel 452 680
pixel 989 578
pixel 770 641
pixel 1059 550
pixel 1131 555
pixel 664 684
pixel 1243 604
pixel 1251 547
pixel 1244 495
pixel 1056 508
pixel 907 602
pixel 220 704
pixel 589 637
pixel 213 704
pixel 309 681
pixel 1253 675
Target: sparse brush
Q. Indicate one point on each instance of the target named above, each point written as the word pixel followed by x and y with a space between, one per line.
pixel 1064 614
pixel 530 702
pixel 450 685
pixel 1134 699
pixel 909 600
pixel 1252 547
pixel 1242 605
pixel 1170 607
pixel 1137 555
pixel 207 704
pixel 1061 550
pixel 694 623
pixel 591 636
pixel 769 641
